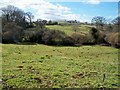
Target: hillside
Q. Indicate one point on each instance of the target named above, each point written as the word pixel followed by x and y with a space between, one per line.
pixel 69 29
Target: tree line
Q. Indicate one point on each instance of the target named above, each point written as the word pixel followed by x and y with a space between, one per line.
pixel 18 27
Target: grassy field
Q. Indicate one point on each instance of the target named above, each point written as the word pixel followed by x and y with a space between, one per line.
pixel 41 66
pixel 69 29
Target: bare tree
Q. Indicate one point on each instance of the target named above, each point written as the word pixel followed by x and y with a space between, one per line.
pixel 99 22
pixel 29 17
pixel 116 24
pixel 41 23
pixel 13 14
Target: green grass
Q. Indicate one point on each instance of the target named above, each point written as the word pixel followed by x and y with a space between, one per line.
pixel 40 66
pixel 68 29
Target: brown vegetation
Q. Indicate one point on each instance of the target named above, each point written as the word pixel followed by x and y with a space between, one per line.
pixel 113 39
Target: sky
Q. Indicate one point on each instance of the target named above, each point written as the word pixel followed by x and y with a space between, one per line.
pixel 82 10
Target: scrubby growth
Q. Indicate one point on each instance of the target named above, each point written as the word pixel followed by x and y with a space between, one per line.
pixel 18 27
pixel 113 39
pixel 11 33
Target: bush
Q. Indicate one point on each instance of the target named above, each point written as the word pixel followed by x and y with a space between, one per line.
pixel 34 35
pixel 53 37
pixel 95 34
pixel 88 40
pixel 29 36
pixel 113 39
pixel 11 33
pixel 68 41
pixel 52 23
pixel 77 39
pixel 101 38
pixel 45 36
pixel 98 36
pixel 40 34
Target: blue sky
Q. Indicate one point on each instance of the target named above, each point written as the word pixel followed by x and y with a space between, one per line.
pixel 104 8
pixel 83 10
pixel 108 10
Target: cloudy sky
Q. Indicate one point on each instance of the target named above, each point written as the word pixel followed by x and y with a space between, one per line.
pixel 82 10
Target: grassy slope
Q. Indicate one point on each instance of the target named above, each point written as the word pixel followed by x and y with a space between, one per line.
pixel 68 29
pixel 46 66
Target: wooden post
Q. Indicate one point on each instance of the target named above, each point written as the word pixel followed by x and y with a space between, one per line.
pixel 0 49
pixel 0 29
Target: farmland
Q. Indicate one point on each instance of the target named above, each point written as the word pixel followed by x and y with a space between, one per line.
pixel 69 29
pixel 59 45
pixel 42 66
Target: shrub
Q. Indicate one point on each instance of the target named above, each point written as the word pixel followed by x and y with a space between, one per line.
pixel 101 38
pixel 53 37
pixel 113 39
pixel 29 36
pixel 11 33
pixel 52 23
pixel 97 35
pixel 68 41
pixel 34 35
pixel 45 36
pixel 88 40
pixel 77 39
pixel 40 34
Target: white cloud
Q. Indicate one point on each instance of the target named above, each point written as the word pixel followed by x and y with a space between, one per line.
pixel 50 11
pixel 46 10
pixel 98 1
pixel 91 1
pixel 85 1
pixel 43 9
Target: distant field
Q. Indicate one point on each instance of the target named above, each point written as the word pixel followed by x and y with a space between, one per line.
pixel 69 29
pixel 40 66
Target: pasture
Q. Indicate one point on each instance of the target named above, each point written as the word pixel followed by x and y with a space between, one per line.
pixel 69 29
pixel 42 66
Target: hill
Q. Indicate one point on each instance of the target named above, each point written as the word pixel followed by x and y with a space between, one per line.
pixel 69 29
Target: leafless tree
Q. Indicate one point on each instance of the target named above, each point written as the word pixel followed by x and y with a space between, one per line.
pixel 99 22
